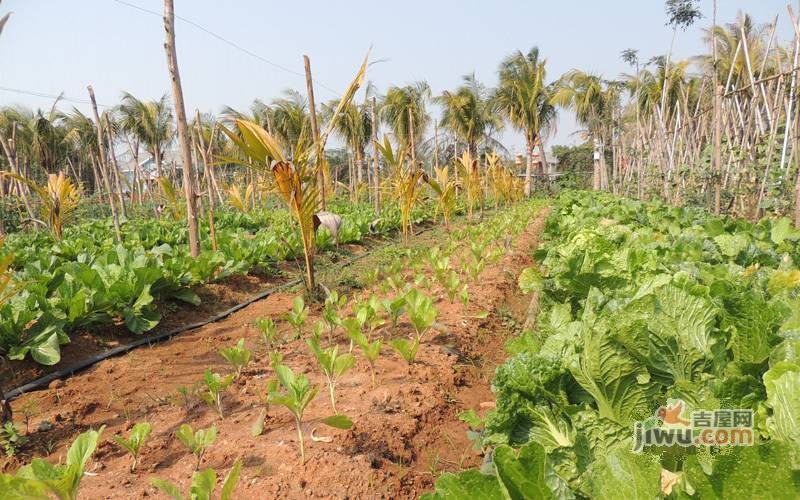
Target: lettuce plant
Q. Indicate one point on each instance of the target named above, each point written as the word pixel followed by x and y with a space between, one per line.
pixel 238 356
pixel 332 364
pixel 196 441
pixel 297 315
pixel 215 386
pixel 203 484
pixel 296 394
pixel 138 436
pixel 41 479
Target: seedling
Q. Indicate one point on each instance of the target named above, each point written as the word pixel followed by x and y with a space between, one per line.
pixel 367 313
pixel 216 385
pixel 407 349
pixel 275 358
pixel 297 316
pixel 452 285
pixel 331 312
pixel 296 395
pixel 197 441
pixel 29 409
pixel 11 439
pixel 238 356
pixel 203 484
pixel 138 436
pixel 268 331
pixel 371 350
pixel 420 310
pixel 41 478
pixel 332 364
pixel 352 324
pixel 394 308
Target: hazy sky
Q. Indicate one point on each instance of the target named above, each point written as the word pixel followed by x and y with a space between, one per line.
pixel 50 46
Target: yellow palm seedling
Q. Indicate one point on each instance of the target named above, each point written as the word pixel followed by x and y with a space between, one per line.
pixel 401 182
pixel 496 177
pixel 170 198
pixel 295 180
pixel 59 197
pixel 445 188
pixel 471 179
pixel 241 201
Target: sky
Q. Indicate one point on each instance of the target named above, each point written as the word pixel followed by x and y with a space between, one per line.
pixel 54 46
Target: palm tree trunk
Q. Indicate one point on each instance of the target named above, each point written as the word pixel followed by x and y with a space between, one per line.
pixel 376 175
pixel 104 163
pixel 183 129
pixel 529 143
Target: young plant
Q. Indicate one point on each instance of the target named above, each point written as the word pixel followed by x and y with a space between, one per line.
pixel 268 331
pixel 11 439
pixel 420 310
pixel 331 312
pixel 452 286
pixel 215 386
pixel 371 350
pixel 406 348
pixel 197 441
pixel 316 331
pixel 238 356
pixel 298 315
pixel 394 308
pixel 296 395
pixel 367 313
pixel 203 485
pixel 41 479
pixel 352 325
pixel 332 364
pixel 138 436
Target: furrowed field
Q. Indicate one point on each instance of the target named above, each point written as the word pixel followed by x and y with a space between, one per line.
pixel 233 306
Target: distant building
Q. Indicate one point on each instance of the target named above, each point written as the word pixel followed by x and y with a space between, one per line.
pixel 521 163
pixel 146 169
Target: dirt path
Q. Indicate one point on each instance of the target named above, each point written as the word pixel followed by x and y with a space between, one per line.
pixel 406 429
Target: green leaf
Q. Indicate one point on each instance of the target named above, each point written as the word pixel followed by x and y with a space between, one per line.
pixel 467 485
pixel 522 475
pixel 783 395
pixel 531 280
pixel 338 421
pixel 763 471
pixel 621 473
pixel 229 485
pixel 203 484
pixel 781 229
pixel 167 487
pixel 186 295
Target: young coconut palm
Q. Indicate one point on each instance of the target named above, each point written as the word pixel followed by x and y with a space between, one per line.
pixel 295 179
pixel 59 197
pixel 468 170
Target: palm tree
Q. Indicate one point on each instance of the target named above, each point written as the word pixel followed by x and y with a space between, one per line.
pixel 524 99
pixel 584 93
pixel 354 126
pixel 288 118
pixel 150 122
pixel 403 109
pixel 469 113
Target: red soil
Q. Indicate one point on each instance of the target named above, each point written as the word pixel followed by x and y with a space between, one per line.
pixel 406 430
